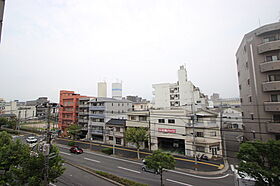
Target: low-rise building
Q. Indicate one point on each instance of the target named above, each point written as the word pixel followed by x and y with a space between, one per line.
pixel 101 110
pixel 83 115
pixel 115 130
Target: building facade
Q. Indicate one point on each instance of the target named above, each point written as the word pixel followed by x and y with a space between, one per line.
pixel 180 94
pixel 68 110
pixel 83 115
pixel 102 89
pixel 101 110
pixel 258 65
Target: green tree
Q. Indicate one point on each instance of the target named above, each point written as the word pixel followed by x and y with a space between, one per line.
pixel 136 136
pixel 160 161
pixel 74 130
pixel 3 121
pixel 260 160
pixel 19 167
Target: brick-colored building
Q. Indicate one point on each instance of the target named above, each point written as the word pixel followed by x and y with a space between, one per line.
pixel 68 112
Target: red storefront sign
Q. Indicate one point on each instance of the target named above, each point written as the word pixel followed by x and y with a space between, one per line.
pixel 167 130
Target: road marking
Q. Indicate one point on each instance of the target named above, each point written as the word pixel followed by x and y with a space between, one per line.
pixel 181 183
pixel 196 176
pixel 129 170
pixel 148 153
pixel 92 160
pixel 186 174
pixel 65 153
pixel 52 184
pixel 232 168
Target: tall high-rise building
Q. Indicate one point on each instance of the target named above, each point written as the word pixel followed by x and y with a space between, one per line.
pixel 102 89
pixel 258 64
pixel 2 3
pixel 117 91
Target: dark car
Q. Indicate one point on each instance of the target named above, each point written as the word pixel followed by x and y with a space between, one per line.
pixel 76 150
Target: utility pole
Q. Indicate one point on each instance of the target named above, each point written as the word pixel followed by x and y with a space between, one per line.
pixel 221 131
pixel 194 147
pixel 114 141
pixel 150 139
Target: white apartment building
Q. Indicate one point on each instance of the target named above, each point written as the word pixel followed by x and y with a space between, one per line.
pixel 22 111
pixel 172 130
pixel 101 110
pixel 232 118
pixel 180 94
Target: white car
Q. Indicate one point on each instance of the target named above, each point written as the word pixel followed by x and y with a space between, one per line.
pixel 31 139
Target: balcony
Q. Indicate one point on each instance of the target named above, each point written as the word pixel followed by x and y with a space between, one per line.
pixel 100 116
pixel 97 108
pixel 272 106
pixel 273 127
pixel 96 132
pixel 83 106
pixel 83 113
pixel 83 120
pixel 270 66
pixel 271 86
pixel 269 46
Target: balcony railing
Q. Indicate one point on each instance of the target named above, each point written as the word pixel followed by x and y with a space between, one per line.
pixel 269 46
pixel 101 116
pixel 272 106
pixel 273 127
pixel 270 66
pixel 97 108
pixel 271 86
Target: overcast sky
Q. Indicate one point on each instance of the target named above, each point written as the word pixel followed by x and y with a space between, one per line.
pixel 49 45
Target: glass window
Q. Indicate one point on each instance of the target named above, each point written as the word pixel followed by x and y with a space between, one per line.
pixel 118 129
pixel 161 120
pixel 199 134
pixel 171 120
pixel 275 98
pixel 276 118
pixel 275 77
pixel 119 141
pixel 111 138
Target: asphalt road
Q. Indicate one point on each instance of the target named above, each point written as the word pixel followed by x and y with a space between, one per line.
pixel 132 170
pixel 76 177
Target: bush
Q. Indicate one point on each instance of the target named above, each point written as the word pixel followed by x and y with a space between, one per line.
pixel 71 143
pixel 108 151
pixel 119 179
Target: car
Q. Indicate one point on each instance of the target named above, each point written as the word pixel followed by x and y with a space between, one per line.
pixel 31 139
pixel 76 150
pixel 146 169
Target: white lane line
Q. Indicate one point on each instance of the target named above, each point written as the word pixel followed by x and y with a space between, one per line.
pixel 52 184
pixel 65 153
pixel 196 176
pixel 129 170
pixel 92 160
pixel 180 183
pixel 177 172
pixel 232 168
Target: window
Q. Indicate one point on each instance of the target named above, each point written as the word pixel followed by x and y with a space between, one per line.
pixel 237 60
pixel 161 120
pixel 241 100
pixel 171 120
pixel 118 104
pixel 119 141
pixel 244 48
pixel 269 38
pixel 118 129
pixel 250 98
pixel 133 118
pixel 275 98
pixel 112 104
pixel 246 65
pixel 252 116
pixel 276 118
pixel 242 114
pixel 111 138
pixel 200 149
pixel 142 118
pixel 271 58
pixel 239 87
pixel 248 81
pixel 238 73
pixel 274 77
pixel 213 133
pixel 199 134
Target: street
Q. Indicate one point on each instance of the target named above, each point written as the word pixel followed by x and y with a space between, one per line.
pixel 132 170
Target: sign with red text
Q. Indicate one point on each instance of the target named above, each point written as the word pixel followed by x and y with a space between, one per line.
pixel 167 130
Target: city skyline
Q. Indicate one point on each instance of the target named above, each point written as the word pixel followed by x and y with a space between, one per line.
pixel 72 45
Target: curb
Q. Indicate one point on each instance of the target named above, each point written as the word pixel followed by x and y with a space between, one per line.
pixel 208 173
pixel 88 170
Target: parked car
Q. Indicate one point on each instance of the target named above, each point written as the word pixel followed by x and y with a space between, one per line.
pixel 76 150
pixel 31 139
pixel 146 169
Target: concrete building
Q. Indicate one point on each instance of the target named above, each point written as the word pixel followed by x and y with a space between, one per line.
pixel 102 89
pixel 22 111
pixel 2 4
pixel 41 109
pixel 180 94
pixel 68 112
pixel 172 130
pixel 258 65
pixel 115 130
pixel 101 110
pixel 83 115
pixel 117 91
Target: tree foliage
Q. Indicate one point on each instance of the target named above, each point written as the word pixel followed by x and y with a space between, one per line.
pixel 19 167
pixel 11 123
pixel 260 160
pixel 74 130
pixel 160 161
pixel 136 136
